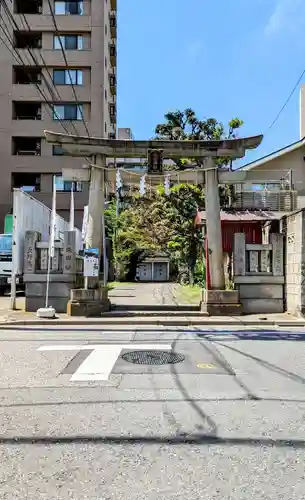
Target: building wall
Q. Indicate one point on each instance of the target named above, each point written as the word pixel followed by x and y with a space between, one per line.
pixel 95 94
pixel 294 228
pixel 279 167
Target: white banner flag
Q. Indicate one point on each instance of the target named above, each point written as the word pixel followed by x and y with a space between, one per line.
pixel 85 223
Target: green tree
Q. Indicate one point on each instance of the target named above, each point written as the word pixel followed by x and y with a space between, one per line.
pixel 184 126
pixel 160 223
pixel 131 239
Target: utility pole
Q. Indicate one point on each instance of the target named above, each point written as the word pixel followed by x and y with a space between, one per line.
pixel 94 235
pixel 213 224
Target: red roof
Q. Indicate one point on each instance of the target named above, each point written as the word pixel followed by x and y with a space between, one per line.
pixel 243 216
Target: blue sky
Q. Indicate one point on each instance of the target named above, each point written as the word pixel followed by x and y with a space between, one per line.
pixel 223 59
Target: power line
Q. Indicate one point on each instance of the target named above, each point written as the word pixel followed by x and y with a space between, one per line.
pixel 67 66
pixel 19 59
pixel 287 100
pixel 36 63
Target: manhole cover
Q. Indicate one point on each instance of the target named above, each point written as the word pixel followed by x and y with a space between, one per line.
pixel 153 357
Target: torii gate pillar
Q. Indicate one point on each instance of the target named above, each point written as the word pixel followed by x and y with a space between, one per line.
pixel 216 301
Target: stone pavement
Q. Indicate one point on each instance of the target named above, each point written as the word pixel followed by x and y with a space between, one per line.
pixel 144 294
pixel 20 317
pixel 226 422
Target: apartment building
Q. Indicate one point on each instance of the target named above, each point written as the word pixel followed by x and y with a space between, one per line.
pixel 58 72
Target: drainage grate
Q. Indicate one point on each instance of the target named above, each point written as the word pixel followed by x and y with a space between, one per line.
pixel 153 357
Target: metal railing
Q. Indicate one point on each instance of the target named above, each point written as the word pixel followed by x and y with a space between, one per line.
pixel 279 201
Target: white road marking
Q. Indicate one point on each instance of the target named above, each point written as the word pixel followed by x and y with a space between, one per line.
pixel 100 362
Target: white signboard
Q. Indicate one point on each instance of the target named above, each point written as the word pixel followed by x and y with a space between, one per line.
pixel 76 174
pixel 91 263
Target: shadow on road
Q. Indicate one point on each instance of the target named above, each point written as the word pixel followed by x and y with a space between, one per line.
pixel 207 421
pixel 151 400
pixel 221 360
pixel 266 364
pixel 195 439
pixel 256 335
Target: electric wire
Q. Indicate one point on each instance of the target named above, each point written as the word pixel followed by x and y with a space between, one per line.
pixel 14 24
pixel 67 66
pixel 54 97
pixel 19 59
pixel 287 100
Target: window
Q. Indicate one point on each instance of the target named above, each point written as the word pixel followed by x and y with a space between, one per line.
pixel 68 112
pixel 68 77
pixel 28 182
pixel 6 245
pixel 75 7
pixel 69 42
pixel 58 151
pixel 67 186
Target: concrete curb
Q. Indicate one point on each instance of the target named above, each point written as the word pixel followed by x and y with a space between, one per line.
pixel 153 321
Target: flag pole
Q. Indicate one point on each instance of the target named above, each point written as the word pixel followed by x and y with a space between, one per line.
pixel 71 221
pixel 51 251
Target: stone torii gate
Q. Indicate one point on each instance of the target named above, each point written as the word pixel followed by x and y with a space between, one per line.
pixel 205 151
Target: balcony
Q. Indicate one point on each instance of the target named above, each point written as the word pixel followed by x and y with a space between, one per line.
pixel 275 201
pixel 44 23
pixel 26 110
pixel 26 75
pixel 112 84
pixel 112 55
pixel 112 113
pixel 113 25
pixel 26 146
pixel 74 57
pixel 28 39
pixel 28 7
pixel 27 181
pixel 62 200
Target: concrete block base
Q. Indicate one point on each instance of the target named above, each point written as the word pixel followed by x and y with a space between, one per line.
pixel 89 303
pixel 59 291
pixel 265 298
pixel 221 303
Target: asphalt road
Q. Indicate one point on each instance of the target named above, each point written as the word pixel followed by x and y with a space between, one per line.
pixel 80 422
